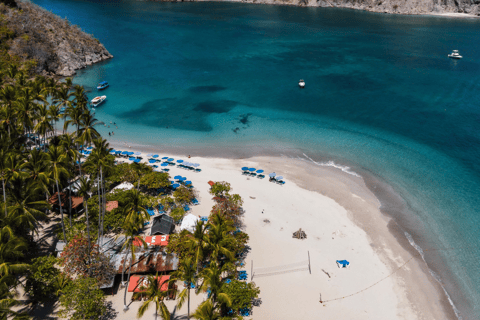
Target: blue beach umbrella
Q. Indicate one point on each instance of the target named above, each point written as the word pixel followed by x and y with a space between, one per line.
pixel 244 168
pixel 118 152
pixel 170 159
pixel 130 153
pixel 196 165
pixel 188 182
pixel 182 179
pixel 252 169
pixel 175 185
pixel 165 158
pixel 150 154
pixel 137 160
pixel 164 164
pixel 177 177
pixel 279 178
pixel 89 148
pixel 87 152
pixel 259 171
pixel 152 161
pixel 112 151
pixel 273 174
pixel 132 159
pixel 137 153
pixel 155 156
pixel 125 152
pixel 179 161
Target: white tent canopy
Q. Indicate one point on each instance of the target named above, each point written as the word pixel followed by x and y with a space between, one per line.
pixel 124 186
pixel 189 222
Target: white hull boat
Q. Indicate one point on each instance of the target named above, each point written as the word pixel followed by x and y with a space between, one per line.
pixel 455 55
pixel 97 100
pixel 301 84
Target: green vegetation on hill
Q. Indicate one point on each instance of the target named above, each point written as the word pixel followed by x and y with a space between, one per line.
pixel 52 45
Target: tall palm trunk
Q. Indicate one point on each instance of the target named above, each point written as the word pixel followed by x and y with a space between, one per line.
pixel 61 211
pixel 88 226
pixel 124 263
pixel 128 280
pixel 4 197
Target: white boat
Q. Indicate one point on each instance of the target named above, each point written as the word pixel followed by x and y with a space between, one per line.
pixel 97 100
pixel 301 83
pixel 455 55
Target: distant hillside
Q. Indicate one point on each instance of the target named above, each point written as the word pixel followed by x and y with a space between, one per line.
pixel 471 7
pixel 58 47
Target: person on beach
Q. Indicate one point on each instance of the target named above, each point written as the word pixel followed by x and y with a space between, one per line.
pixel 109 134
pixel 113 133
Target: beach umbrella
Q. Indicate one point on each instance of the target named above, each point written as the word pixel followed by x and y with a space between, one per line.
pixel 132 158
pixel 89 148
pixel 165 158
pixel 87 152
pixel 252 169
pixel 182 179
pixel 137 153
pixel 130 153
pixel 273 174
pixel 170 159
pixel 177 177
pixel 152 161
pixel 259 171
pixel 188 182
pixel 179 161
pixel 150 155
pixel 112 151
pixel 125 152
pixel 196 165
pixel 279 178
pixel 118 152
pixel 137 160
pixel 164 164
pixel 244 168
pixel 155 156
pixel 175 185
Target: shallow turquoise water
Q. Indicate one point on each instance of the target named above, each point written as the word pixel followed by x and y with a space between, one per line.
pixel 381 97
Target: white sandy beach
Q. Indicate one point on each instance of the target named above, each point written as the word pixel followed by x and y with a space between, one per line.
pixel 342 220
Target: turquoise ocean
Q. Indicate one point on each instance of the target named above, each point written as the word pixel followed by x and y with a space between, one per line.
pixel 382 101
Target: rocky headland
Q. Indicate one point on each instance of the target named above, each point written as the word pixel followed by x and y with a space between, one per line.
pixel 56 47
pixel 455 8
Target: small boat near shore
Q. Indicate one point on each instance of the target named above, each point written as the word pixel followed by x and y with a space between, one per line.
pixel 301 83
pixel 97 100
pixel 455 55
pixel 102 85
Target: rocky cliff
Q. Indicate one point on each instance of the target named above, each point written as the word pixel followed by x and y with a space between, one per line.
pixel 471 7
pixel 58 47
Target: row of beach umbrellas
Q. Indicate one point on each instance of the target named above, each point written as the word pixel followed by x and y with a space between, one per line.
pixel 271 175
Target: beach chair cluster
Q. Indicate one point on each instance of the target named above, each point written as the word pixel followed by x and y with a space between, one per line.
pixel 188 166
pixel 272 177
pixel 252 172
pixel 242 275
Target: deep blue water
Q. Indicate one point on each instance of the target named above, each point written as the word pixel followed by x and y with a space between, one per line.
pixel 381 96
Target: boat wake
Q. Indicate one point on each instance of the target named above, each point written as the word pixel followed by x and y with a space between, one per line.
pixel 330 163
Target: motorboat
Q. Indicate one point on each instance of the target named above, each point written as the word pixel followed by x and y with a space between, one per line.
pixel 97 100
pixel 455 55
pixel 102 85
pixel 301 83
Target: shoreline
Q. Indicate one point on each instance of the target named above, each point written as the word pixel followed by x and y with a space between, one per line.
pixel 382 234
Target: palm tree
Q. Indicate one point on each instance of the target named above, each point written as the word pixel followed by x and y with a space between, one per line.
pixel 134 211
pixel 220 239
pixel 198 242
pixel 186 272
pixel 58 165
pixel 43 125
pixel 87 133
pixel 11 248
pixel 154 294
pixel 206 311
pixel 3 173
pixel 24 208
pixel 8 95
pixel 212 280
pixel 85 191
pixel 131 243
pixel 55 114
pixel 36 166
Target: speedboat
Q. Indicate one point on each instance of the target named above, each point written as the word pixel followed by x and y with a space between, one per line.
pixel 301 83
pixel 455 55
pixel 97 100
pixel 102 85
